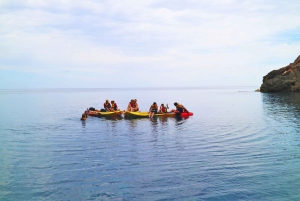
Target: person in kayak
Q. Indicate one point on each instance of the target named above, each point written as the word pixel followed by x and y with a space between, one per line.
pixel 130 105
pixel 163 108
pixel 107 106
pixel 133 106
pixel 179 108
pixel 114 106
pixel 153 110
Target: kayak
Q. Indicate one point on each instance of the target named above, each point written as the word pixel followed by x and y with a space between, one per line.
pixel 186 114
pixel 135 114
pixel 94 113
pixel 97 113
pixel 109 114
pixel 146 114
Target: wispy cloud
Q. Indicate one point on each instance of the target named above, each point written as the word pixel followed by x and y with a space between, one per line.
pixel 211 43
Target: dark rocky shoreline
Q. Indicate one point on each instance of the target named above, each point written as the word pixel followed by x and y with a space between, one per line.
pixel 286 79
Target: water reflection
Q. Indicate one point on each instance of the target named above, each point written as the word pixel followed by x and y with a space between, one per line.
pixel 113 118
pixel 282 119
pixel 281 105
pixel 83 123
pixel 154 125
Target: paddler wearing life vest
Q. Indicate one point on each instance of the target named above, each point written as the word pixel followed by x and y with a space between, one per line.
pixel 163 108
pixel 179 108
pixel 107 106
pixel 114 106
pixel 153 110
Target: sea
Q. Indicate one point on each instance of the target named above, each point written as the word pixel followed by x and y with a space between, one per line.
pixel 238 145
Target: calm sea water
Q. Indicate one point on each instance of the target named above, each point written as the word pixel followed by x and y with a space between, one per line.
pixel 239 145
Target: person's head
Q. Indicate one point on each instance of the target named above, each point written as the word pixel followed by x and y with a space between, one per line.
pixel 175 103
pixel 135 100
pixel 132 100
pixel 162 105
pixel 112 101
pixel 154 103
pixel 83 117
pixel 107 101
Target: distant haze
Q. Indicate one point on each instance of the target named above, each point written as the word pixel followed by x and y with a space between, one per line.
pixel 103 44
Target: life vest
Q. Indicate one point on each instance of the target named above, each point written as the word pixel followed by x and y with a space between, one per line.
pixel 107 105
pixel 131 104
pixel 163 109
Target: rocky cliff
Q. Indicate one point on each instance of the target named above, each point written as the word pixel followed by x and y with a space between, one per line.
pixel 286 79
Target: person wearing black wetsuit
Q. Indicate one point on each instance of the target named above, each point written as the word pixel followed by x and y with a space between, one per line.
pixel 179 108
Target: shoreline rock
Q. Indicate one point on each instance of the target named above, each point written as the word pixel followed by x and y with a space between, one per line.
pixel 286 79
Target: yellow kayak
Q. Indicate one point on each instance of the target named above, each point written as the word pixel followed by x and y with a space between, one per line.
pixel 146 114
pixel 108 114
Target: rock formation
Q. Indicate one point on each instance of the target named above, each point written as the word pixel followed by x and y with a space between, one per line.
pixel 286 79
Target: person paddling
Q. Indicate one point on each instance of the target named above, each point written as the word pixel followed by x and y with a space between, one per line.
pixel 153 110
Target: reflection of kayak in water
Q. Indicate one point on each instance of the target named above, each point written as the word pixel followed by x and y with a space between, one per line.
pixel 97 113
pixel 146 114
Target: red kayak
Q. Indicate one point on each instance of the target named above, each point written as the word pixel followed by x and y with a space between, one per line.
pixel 186 114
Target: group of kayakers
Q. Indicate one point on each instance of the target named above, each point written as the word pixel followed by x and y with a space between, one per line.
pixel 133 107
pixel 164 109
pixel 113 107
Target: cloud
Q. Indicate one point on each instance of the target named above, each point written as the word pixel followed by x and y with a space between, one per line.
pixel 208 42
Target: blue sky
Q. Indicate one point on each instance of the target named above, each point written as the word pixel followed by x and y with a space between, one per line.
pixel 126 43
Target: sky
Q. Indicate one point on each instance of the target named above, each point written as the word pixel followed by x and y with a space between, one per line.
pixel 153 43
